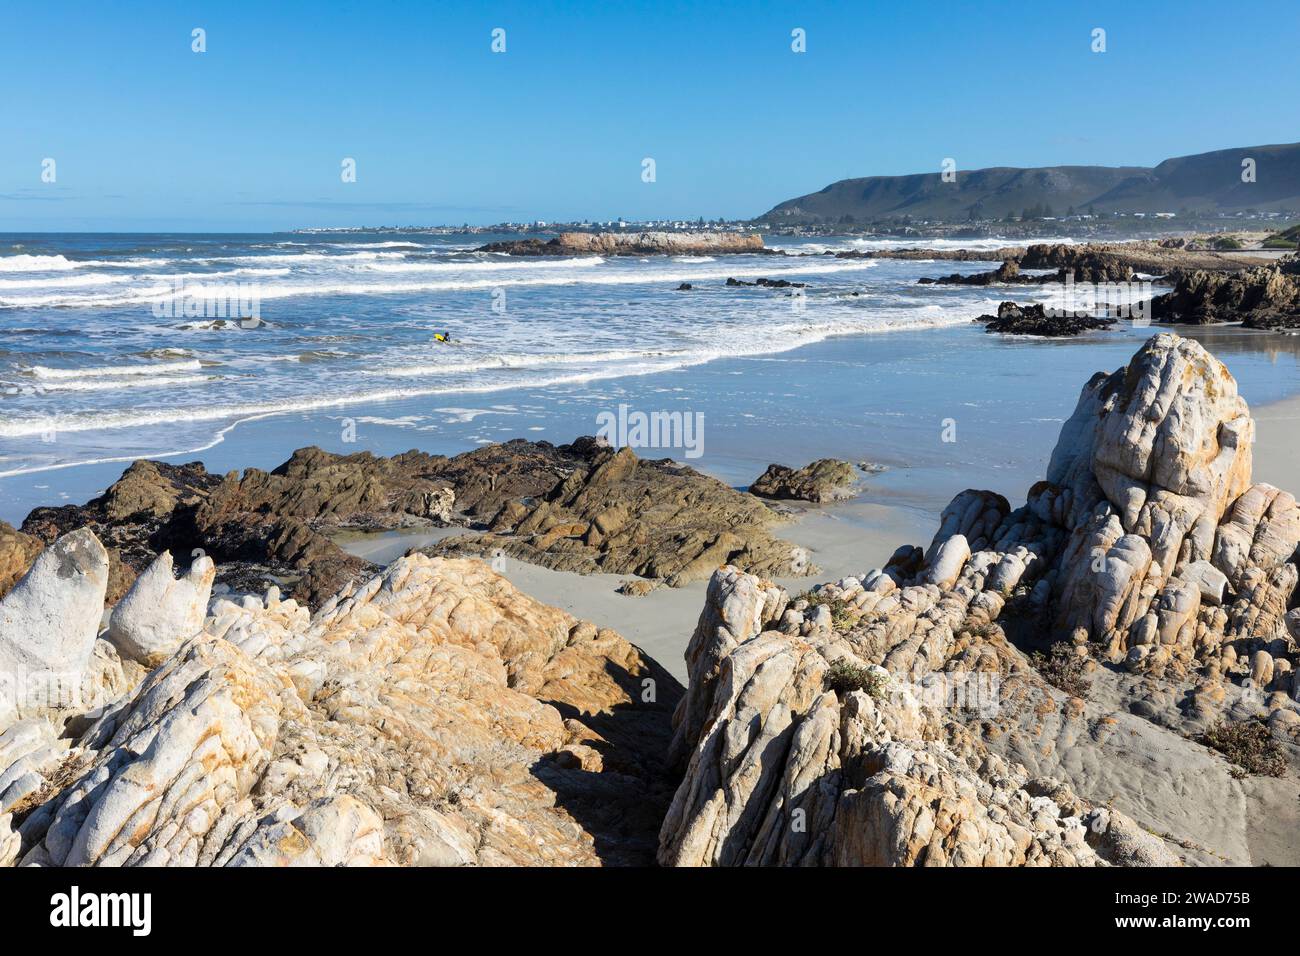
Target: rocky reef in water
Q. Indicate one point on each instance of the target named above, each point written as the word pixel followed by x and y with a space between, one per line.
pixel 1016 319
pixel 1097 262
pixel 1208 286
pixel 1265 297
pixel 1055 684
pixel 633 244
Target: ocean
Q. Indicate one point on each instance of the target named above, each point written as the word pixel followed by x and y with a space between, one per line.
pixel 106 355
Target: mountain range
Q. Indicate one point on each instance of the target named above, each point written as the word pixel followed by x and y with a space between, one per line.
pixel 1208 183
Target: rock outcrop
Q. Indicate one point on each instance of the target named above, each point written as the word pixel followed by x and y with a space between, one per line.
pixel 633 244
pixel 1265 297
pixel 1094 262
pixel 827 479
pixel 620 514
pixel 576 507
pixel 897 718
pixel 434 715
pixel 767 283
pixel 273 527
pixel 791 765
pixel 1117 261
pixel 1006 274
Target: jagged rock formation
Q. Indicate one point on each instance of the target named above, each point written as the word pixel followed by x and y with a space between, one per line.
pixel 1117 261
pixel 1089 263
pixel 271 527
pixel 786 768
pixel 1265 297
pixel 620 514
pixel 565 506
pixel 263 526
pixel 633 244
pixel 434 715
pixel 889 718
pixel 149 509
pixel 1016 319
pixel 826 479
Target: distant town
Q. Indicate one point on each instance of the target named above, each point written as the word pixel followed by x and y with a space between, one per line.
pixel 1032 222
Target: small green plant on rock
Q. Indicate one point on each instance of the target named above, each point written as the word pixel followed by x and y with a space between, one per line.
pixel 844 677
pixel 1249 745
pixel 1063 668
pixel 841 617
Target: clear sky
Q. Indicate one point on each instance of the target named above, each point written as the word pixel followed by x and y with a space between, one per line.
pixel 148 135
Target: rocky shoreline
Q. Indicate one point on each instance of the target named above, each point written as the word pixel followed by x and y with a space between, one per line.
pixel 1208 287
pixel 580 507
pixel 1104 675
pixel 634 244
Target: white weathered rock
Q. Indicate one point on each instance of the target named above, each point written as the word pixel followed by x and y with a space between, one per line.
pixel 1147 538
pixel 789 772
pixel 1209 580
pixel 736 608
pixel 948 560
pixel 160 612
pixel 1261 669
pixel 48 624
pixel 412 720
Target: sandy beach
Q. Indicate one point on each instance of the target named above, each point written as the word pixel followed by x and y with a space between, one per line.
pixel 844 538
pixel 1277 444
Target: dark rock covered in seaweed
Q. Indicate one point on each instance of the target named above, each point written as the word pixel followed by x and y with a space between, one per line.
pixel 1015 319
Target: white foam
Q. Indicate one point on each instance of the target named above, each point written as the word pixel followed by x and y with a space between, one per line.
pixel 321 285
pixel 104 385
pixel 41 372
pixel 26 263
pixel 74 280
pixel 507 265
pixel 97 421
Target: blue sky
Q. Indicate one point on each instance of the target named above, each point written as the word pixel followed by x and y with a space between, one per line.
pixel 250 135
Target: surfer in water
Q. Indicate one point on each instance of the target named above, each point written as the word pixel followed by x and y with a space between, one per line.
pixel 443 337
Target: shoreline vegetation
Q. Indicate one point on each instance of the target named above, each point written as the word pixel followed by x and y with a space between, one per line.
pixel 1066 679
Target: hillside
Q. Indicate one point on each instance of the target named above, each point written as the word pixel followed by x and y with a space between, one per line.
pixel 1207 182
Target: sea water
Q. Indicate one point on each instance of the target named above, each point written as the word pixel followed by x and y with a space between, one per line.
pixel 106 355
